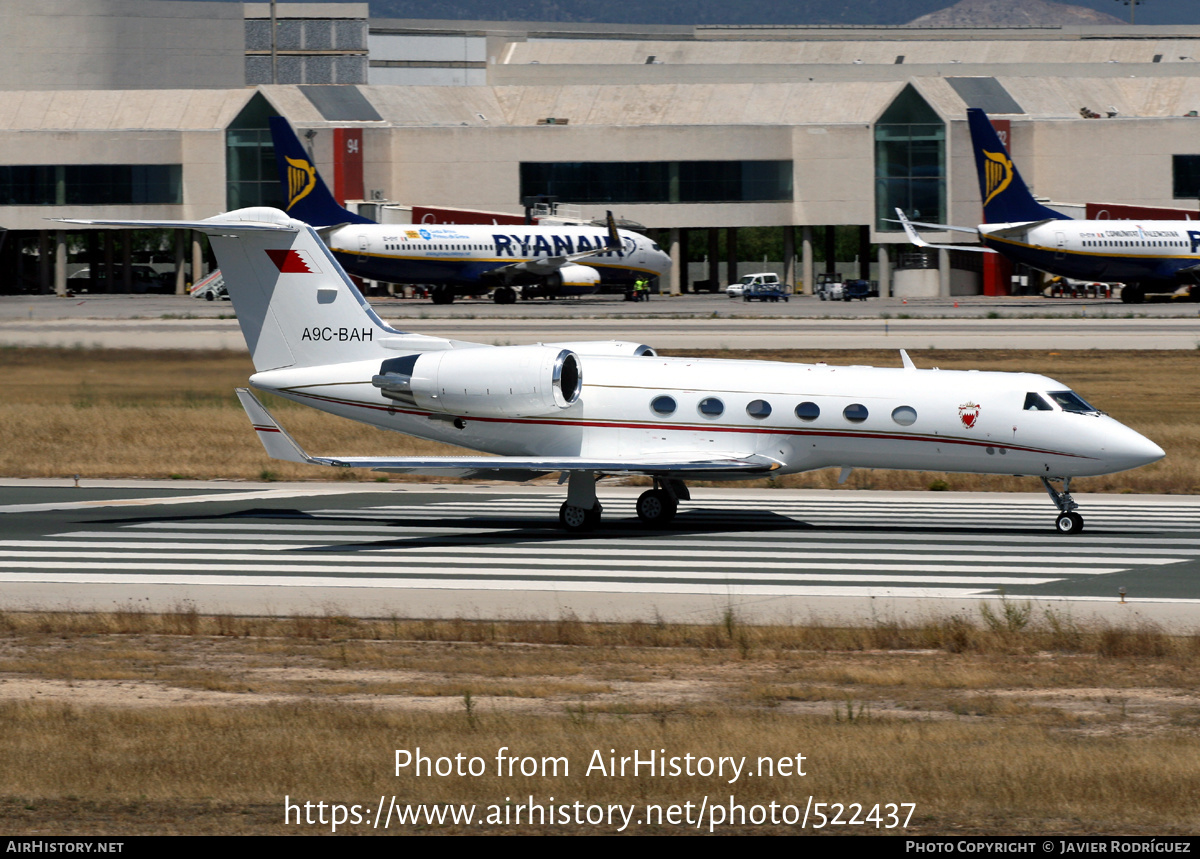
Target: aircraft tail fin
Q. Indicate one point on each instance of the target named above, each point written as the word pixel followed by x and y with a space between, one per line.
pixel 294 303
pixel 1006 198
pixel 307 196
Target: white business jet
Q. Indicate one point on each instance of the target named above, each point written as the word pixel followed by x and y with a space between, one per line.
pixel 592 409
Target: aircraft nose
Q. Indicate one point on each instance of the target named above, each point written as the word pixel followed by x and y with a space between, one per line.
pixel 1133 450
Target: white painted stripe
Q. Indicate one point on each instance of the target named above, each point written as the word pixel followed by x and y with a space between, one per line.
pixel 722 590
pixel 1067 549
pixel 400 564
pixel 385 530
pixel 259 495
pixel 53 548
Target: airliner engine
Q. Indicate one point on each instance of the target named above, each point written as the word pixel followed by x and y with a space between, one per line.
pixel 505 381
pixel 573 276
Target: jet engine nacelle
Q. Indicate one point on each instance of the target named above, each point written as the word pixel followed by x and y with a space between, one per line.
pixel 577 276
pixel 504 381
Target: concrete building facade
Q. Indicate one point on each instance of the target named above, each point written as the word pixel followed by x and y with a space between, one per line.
pixel 679 129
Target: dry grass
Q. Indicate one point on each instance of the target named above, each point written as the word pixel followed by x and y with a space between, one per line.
pixel 133 413
pixel 181 722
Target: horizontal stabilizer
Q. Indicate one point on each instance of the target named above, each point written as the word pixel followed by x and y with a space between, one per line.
pixel 280 445
pixel 211 226
pixel 274 438
pixel 915 238
pixel 1014 231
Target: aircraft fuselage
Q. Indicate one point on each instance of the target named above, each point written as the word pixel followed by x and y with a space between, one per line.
pixel 803 416
pixel 1124 251
pixel 468 255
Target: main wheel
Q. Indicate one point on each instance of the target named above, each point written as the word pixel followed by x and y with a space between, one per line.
pixel 1069 523
pixel 1132 293
pixel 578 519
pixel 656 507
pixel 505 295
pixel 442 295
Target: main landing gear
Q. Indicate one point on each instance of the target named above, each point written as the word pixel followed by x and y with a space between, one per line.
pixel 657 507
pixel 504 295
pixel 1068 521
pixel 581 511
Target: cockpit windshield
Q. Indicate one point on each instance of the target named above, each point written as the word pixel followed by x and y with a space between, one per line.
pixel 1037 403
pixel 1069 401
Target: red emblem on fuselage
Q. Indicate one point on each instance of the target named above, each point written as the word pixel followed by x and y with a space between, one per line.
pixel 968 413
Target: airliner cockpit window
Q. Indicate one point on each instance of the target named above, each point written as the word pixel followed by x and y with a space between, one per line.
pixel 1070 401
pixel 1035 403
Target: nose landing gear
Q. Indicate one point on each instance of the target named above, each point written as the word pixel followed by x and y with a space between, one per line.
pixel 1068 521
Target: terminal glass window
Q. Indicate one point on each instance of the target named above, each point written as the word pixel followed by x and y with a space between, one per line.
pixel 910 162
pixel 251 178
pixel 658 181
pixel 91 185
pixel 1185 171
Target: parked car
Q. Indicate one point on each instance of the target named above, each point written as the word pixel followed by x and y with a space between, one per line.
pixel 764 292
pixel 765 278
pixel 142 278
pixel 852 289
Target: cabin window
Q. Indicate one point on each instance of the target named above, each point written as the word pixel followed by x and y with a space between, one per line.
pixel 663 405
pixel 906 416
pixel 856 413
pixel 808 411
pixel 759 409
pixel 1035 403
pixel 711 407
pixel 1070 401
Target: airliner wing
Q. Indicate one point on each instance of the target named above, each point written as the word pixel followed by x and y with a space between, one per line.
pixel 915 237
pixel 548 265
pixel 1012 231
pixel 280 445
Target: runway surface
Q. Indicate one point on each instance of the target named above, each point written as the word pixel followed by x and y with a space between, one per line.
pixel 668 323
pixel 467 551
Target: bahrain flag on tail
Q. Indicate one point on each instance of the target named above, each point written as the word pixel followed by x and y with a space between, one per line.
pixel 294 261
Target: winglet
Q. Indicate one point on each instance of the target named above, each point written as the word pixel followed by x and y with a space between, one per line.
pixel 274 438
pixel 915 238
pixel 614 238
pixel 907 361
pixel 909 231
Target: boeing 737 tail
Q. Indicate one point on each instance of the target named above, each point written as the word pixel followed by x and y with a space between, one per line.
pixel 1006 199
pixel 308 199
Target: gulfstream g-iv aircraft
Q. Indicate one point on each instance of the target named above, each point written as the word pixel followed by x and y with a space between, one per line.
pixel 464 259
pixel 1147 256
pixel 591 409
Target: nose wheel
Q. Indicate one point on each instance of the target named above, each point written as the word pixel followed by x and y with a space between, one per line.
pixel 1068 521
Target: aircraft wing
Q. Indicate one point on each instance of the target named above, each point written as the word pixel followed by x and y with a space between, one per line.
pixel 280 445
pixel 548 265
pixel 1012 231
pixel 915 238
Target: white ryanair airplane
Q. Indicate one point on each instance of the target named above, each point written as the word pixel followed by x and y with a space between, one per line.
pixel 548 262
pixel 591 409
pixel 1146 256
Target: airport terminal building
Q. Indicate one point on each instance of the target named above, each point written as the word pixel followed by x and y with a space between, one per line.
pixel 159 110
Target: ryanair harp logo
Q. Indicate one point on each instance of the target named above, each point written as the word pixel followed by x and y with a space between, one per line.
pixel 998 173
pixel 302 178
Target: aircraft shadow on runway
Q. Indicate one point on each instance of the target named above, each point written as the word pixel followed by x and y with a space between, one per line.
pixel 526 529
